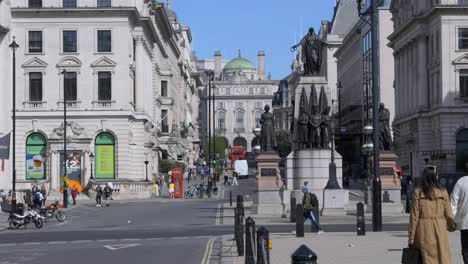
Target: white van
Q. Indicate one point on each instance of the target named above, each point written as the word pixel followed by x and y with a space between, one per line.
pixel 241 168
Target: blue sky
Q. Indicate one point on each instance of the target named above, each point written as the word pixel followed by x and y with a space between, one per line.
pixel 251 25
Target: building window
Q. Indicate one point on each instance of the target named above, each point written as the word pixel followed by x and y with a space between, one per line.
pixel 36 147
pixel 104 41
pixel 70 86
pixel 35 41
pixel 262 90
pixel 258 105
pixel 239 105
pixel 35 3
pixel 228 91
pixel 164 122
pixel 251 90
pixel 69 3
pixel 221 121
pixel 35 86
pixel 463 38
pixel 239 120
pixel 164 88
pixel 258 116
pixel 104 3
pixel 70 41
pixel 104 156
pixel 464 83
pixel 104 86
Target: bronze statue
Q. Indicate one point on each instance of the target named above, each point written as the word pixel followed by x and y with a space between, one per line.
pixel 303 122
pixel 385 134
pixel 325 129
pixel 311 49
pixel 315 119
pixel 267 136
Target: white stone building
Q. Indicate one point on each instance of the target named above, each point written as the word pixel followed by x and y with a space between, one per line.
pixel 355 74
pixel 126 69
pixel 241 91
pixel 430 43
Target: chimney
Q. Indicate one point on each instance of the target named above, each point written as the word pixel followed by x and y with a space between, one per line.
pixel 217 66
pixel 261 65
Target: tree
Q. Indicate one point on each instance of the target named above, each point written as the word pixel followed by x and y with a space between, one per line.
pixel 284 144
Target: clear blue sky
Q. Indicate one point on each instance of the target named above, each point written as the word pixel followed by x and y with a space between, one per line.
pixel 251 25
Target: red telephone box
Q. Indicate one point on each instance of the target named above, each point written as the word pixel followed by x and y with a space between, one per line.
pixel 177 177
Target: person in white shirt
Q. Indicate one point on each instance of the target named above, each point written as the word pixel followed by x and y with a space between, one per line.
pixel 459 198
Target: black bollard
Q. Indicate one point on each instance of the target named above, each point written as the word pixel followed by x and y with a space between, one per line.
pixel 240 201
pixel 263 248
pixel 230 198
pixel 249 241
pixel 304 255
pixel 210 185
pixel 201 190
pixel 315 210
pixel 299 221
pixel 361 220
pixel 292 214
pixel 239 214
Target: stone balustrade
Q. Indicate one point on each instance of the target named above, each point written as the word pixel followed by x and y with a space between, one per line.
pixel 123 189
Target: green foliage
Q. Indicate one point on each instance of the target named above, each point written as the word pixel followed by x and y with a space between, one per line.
pixel 221 146
pixel 284 145
pixel 167 165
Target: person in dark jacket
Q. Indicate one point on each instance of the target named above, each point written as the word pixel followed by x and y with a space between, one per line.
pixel 308 214
pixel 98 196
pixel 107 194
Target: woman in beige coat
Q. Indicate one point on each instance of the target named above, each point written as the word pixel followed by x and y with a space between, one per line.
pixel 430 217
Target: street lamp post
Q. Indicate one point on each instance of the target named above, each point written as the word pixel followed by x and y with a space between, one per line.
pixel 146 170
pixel 14 46
pixel 339 88
pixel 376 183
pixel 91 159
pixel 210 74
pixel 65 195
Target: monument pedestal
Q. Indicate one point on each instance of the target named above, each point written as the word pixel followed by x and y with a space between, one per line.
pixel 269 197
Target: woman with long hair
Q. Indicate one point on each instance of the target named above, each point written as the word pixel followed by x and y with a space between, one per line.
pixel 430 217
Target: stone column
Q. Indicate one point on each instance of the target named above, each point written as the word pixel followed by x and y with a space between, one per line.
pixel 140 94
pixel 54 171
pixel 397 87
pixel 423 84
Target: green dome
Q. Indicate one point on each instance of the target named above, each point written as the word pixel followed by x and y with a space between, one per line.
pixel 240 63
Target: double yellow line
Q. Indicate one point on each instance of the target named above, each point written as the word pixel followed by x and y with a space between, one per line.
pixel 208 250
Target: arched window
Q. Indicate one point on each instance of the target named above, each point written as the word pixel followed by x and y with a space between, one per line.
pixel 105 156
pixel 258 116
pixel 36 147
pixel 221 121
pixel 462 150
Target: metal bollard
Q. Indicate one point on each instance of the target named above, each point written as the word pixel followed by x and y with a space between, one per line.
pixel 230 198
pixel 239 235
pixel 304 255
pixel 249 241
pixel 201 191
pixel 292 214
pixel 210 185
pixel 361 220
pixel 299 221
pixel 315 210
pixel 240 201
pixel 263 249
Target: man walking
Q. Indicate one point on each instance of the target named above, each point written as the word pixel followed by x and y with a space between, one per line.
pixel 234 179
pixel 107 194
pixel 459 199
pixel 74 194
pixel 308 214
pixel 98 195
pixel 226 178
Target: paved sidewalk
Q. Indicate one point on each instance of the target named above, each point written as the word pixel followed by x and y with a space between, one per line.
pixel 338 248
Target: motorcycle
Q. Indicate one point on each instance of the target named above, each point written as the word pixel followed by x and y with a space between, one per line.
pixel 29 216
pixel 53 209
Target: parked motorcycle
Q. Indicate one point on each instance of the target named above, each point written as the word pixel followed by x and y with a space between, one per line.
pixel 29 216
pixel 53 209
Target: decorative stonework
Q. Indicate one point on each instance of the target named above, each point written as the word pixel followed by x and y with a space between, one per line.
pixel 77 132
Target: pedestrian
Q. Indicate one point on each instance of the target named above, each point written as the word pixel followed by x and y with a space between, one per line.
pixel 226 178
pixel 74 194
pixel 430 217
pixel 43 191
pixel 189 175
pixel 234 179
pixel 107 194
pixel 460 210
pixel 171 189
pixel 305 188
pixel 202 172
pixel 98 195
pixel 409 192
pixel 308 214
pixel 38 199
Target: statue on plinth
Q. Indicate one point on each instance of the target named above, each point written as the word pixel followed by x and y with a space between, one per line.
pixel 267 135
pixel 311 50
pixel 325 122
pixel 315 118
pixel 385 134
pixel 303 122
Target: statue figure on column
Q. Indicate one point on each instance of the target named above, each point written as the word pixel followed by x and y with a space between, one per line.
pixel 315 119
pixel 267 136
pixel 385 134
pixel 303 122
pixel 311 49
pixel 325 124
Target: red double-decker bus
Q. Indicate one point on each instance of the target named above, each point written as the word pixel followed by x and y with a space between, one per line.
pixel 237 153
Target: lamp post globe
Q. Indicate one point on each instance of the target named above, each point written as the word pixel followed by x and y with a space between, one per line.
pixel 91 160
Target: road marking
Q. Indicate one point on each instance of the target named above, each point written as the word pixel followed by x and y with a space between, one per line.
pixel 8 245
pixel 80 241
pixel 56 242
pixel 130 239
pixel 31 243
pixel 209 246
pixel 106 240
pixel 218 214
pixel 117 247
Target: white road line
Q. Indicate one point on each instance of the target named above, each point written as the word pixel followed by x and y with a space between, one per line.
pixel 130 239
pixel 56 242
pixel 80 241
pixel 106 240
pixel 31 243
pixel 8 245
pixel 155 238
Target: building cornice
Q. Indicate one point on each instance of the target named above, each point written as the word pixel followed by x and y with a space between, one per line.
pixel 167 30
pixel 241 97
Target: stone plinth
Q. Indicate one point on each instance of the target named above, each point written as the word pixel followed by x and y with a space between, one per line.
pixel 269 196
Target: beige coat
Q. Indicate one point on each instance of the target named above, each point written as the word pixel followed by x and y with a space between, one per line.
pixel 429 220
